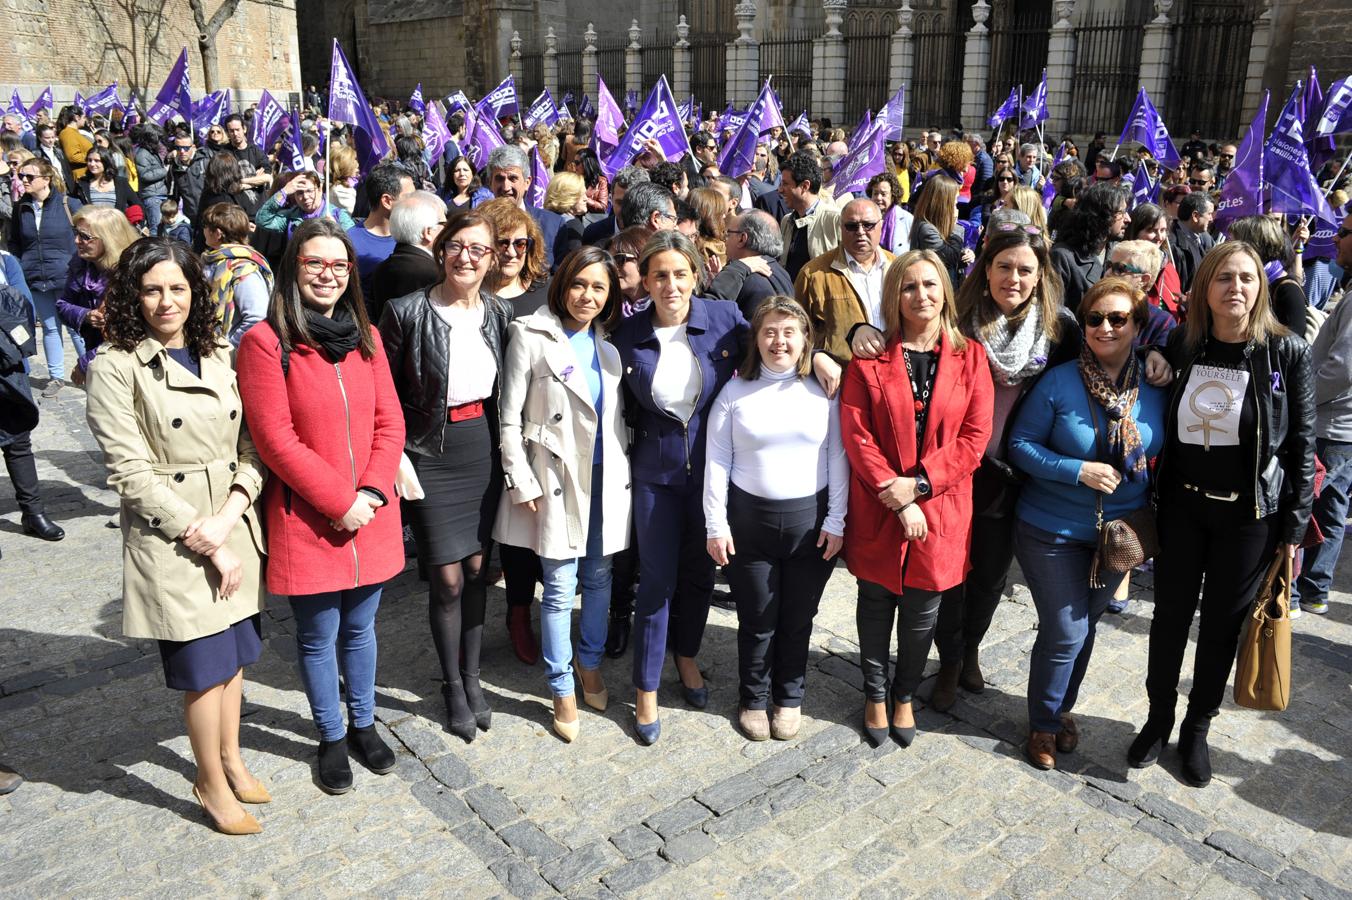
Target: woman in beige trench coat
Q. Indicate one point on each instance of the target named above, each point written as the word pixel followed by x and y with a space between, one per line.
pixel 565 467
pixel 165 409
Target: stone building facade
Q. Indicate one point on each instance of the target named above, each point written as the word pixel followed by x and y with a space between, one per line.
pixel 74 45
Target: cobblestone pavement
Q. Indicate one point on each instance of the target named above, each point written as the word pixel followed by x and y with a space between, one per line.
pixel 107 809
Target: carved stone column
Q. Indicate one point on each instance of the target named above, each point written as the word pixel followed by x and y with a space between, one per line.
pixel 514 63
pixel 976 67
pixel 903 49
pixel 828 69
pixel 680 62
pixel 1156 54
pixel 633 60
pixel 1060 68
pixel 1258 54
pixel 551 63
pixel 589 65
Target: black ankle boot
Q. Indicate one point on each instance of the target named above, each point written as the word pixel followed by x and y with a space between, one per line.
pixel 335 775
pixel 617 637
pixel 1146 748
pixel 459 717
pixel 474 696
pixel 374 753
pixel 1193 750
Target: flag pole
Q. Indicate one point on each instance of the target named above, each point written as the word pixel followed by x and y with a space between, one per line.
pixel 1341 169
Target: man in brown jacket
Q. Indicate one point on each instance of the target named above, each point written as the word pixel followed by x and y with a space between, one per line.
pixel 844 286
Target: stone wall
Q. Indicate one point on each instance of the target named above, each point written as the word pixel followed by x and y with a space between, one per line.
pixel 74 45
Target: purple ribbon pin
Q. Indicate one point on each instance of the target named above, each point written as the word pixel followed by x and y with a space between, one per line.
pixel 1276 382
pixel 567 373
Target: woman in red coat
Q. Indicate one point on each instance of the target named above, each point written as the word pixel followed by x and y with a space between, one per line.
pixel 914 422
pixel 321 406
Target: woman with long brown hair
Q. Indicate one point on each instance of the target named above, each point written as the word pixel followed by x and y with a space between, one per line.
pixel 936 226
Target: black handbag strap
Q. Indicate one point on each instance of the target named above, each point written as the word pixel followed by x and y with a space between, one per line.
pixel 1098 446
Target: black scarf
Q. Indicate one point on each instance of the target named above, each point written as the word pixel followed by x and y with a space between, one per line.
pixel 336 336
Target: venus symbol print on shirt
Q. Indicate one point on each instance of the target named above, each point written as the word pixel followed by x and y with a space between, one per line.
pixel 1212 402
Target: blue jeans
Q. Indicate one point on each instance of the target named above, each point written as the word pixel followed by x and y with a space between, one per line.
pixel 1330 511
pixel 44 304
pixel 332 630
pixel 556 605
pixel 1068 610
pixel 150 205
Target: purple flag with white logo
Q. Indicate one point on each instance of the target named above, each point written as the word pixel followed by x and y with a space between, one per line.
pixel 1034 110
pixel 609 118
pixel 656 121
pixel 1286 166
pixel 1323 238
pixel 1144 189
pixel 415 102
pixel 1146 127
pixel 1336 116
pixel 862 128
pixel 269 120
pixel 739 154
pixel 1321 149
pixel 501 102
pixel 16 106
pixel 1242 192
pixel 542 111
pixel 566 113
pixel 1006 110
pixel 457 101
pixel 105 101
pixel 893 115
pixel 348 104
pixel 291 156
pixel 586 109
pixel 175 96
pixel 1049 189
pixel 43 103
pixel 865 159
pixel 436 135
pixel 210 110
pixel 79 102
pixel 631 101
pixel 539 179
pixel 481 139
pixel 801 125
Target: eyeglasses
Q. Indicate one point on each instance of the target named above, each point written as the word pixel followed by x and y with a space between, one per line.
pixel 476 251
pixel 1124 268
pixel 1199 183
pixel 733 231
pixel 85 237
pixel 861 225
pixel 315 265
pixel 667 215
pixel 1115 319
pixel 181 148
pixel 520 245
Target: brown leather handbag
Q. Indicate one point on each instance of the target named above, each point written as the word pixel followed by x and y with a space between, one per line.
pixel 1125 543
pixel 1263 673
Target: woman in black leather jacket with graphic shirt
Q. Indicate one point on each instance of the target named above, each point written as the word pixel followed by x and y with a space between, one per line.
pixel 1234 487
pixel 445 345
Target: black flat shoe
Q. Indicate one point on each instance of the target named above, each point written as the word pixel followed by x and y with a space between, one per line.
pixel 1146 748
pixel 335 774
pixel 373 753
pixel 617 638
pixel 38 525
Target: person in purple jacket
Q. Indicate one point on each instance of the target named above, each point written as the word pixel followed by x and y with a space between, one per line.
pixel 101 234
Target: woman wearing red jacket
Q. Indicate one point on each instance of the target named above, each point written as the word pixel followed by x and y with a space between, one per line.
pixel 322 410
pixel 914 422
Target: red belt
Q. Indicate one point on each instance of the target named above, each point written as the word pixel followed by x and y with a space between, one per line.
pixel 465 411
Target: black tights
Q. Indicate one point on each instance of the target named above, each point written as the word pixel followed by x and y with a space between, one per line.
pixel 455 612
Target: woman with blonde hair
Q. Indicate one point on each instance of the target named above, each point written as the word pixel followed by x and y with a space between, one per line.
pixel 1029 202
pixel 566 195
pixel 101 234
pixel 936 226
pixel 915 420
pixel 343 176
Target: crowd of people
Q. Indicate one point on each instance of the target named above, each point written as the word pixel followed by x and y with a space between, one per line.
pixel 299 378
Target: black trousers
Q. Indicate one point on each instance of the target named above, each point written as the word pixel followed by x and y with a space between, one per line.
pixel 914 612
pixel 1201 537
pixel 521 572
pixel 23 471
pixel 777 576
pixel 966 613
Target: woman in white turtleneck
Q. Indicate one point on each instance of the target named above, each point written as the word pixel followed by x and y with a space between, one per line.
pixel 776 485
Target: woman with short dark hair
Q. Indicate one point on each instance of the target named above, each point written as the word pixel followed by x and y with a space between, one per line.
pixel 239 277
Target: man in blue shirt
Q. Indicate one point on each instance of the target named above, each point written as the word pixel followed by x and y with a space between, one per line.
pixel 385 185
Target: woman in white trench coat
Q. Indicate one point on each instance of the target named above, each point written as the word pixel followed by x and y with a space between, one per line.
pixel 566 471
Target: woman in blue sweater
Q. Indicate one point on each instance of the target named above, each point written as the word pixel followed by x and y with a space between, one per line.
pixel 1084 436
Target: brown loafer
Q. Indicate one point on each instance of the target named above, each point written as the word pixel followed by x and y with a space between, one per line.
pixel 1069 736
pixel 1041 750
pixel 785 722
pixel 754 724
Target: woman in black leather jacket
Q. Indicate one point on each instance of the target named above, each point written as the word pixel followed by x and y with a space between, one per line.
pixel 1234 487
pixel 451 424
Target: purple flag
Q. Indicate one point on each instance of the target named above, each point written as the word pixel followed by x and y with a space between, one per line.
pixel 801 125
pixel 43 103
pixel 608 115
pixel 567 98
pixel 291 157
pixel 1242 192
pixel 893 115
pixel 1034 111
pixel 1321 149
pixel 566 113
pixel 1144 126
pixel 481 139
pixel 739 154
pixel 131 112
pixel 685 109
pixel 631 101
pixel 542 110
pixel 210 110
pixel 862 128
pixel 1049 189
pixel 269 120
pixel 586 109
pixel 1336 117
pixel 501 102
pixel 348 104
pixel 1323 238
pixel 16 106
pixel 105 101
pixel 865 159
pixel 1144 189
pixel 416 103
pixel 457 101
pixel 1006 110
pixel 1286 166
pixel 79 102
pixel 436 136
pixel 539 179
pixel 657 121
pixel 175 96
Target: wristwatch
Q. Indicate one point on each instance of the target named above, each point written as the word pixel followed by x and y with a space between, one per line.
pixel 922 485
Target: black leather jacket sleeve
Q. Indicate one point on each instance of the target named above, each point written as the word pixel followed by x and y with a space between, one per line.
pixel 1296 452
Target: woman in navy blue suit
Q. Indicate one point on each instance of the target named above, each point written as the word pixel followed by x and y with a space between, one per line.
pixel 677 354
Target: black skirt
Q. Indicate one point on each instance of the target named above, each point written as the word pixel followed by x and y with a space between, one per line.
pixel 208 661
pixel 454 520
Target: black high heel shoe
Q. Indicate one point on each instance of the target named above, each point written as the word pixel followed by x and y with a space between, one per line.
pixel 459 718
pixel 474 695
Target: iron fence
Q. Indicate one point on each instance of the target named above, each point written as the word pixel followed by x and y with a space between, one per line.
pixel 1107 69
pixel 1206 77
pixel 570 76
pixel 658 57
pixel 1018 51
pixel 787 59
pixel 532 77
pixel 709 69
pixel 935 98
pixel 610 65
pixel 868 59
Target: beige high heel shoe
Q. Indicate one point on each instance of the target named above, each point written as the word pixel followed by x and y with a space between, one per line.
pixel 246 824
pixel 597 700
pixel 566 730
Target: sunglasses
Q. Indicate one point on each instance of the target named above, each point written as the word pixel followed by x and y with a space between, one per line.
pixel 26 177
pixel 84 237
pixel 860 225
pixel 315 266
pixel 520 245
pixel 1197 182
pixel 622 258
pixel 1115 319
pixel 1227 156
pixel 1014 226
pixel 1121 268
pixel 1005 180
